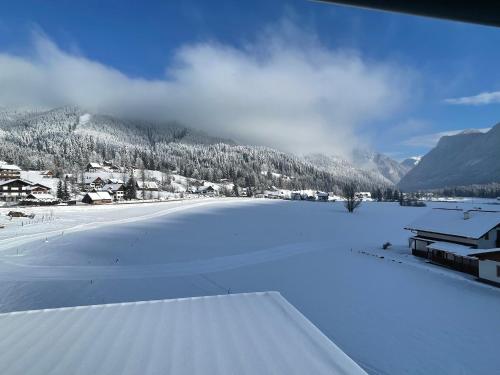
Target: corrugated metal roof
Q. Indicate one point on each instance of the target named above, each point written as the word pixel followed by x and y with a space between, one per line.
pixel 253 333
pixel 452 222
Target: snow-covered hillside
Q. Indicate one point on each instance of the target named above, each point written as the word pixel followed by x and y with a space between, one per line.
pixel 66 139
pixel 380 306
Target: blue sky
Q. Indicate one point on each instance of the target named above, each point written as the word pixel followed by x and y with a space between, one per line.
pixel 418 64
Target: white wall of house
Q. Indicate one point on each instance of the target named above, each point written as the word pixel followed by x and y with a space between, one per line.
pixel 489 270
pixel 491 240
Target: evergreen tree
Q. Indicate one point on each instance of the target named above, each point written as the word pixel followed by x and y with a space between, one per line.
pixel 60 192
pixel 236 190
pixel 131 188
pixel 65 192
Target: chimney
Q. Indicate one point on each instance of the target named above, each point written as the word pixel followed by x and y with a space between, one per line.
pixel 466 215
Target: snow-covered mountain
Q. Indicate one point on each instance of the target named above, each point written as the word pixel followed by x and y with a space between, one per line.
pixel 375 162
pixel 411 162
pixel 65 139
pixel 471 157
pixel 340 168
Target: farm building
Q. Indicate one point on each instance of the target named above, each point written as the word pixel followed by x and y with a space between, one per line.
pixel 97 197
pixel 450 236
pixel 251 333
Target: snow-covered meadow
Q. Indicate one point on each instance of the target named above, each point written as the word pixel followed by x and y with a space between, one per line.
pixel 390 312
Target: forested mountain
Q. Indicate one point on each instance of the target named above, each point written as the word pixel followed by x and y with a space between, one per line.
pixel 468 158
pixel 66 139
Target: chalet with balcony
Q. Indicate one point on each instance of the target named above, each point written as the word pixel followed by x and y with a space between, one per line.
pixel 9 172
pixel 14 190
pixel 453 237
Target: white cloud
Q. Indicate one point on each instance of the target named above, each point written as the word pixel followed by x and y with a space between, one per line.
pixel 285 90
pixel 480 99
pixel 431 140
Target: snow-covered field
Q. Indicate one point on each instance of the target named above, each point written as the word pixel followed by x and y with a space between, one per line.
pixel 391 312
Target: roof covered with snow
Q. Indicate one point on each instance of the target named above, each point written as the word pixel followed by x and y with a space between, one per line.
pixel 43 196
pixel 99 195
pixel 452 222
pixel 451 248
pixel 147 184
pixel 9 167
pixel 7 182
pixel 253 333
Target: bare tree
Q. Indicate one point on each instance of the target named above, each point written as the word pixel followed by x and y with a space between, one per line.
pixel 352 201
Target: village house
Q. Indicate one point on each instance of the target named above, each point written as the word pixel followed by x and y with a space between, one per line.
pixel 206 190
pixel 97 197
pixel 94 167
pixel 116 190
pixel 9 172
pixel 321 196
pixel 450 237
pixel 14 190
pixel 295 196
pixel 489 265
pixel 147 185
pixel 39 189
pixel 92 182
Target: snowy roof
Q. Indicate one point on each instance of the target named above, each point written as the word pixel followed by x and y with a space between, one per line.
pixel 42 196
pixel 147 184
pixel 112 187
pixel 26 182
pixel 475 252
pixel 10 167
pixel 99 195
pixel 451 248
pixel 252 333
pixel 95 165
pixel 452 222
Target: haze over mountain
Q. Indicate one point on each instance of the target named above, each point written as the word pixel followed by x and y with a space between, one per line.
pixel 411 162
pixel 471 157
pixel 67 138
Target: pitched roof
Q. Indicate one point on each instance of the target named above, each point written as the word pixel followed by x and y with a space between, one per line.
pixel 95 165
pixel 147 184
pixel 43 196
pixel 253 333
pixel 452 222
pixel 25 182
pixel 112 187
pixel 10 167
pixel 99 195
